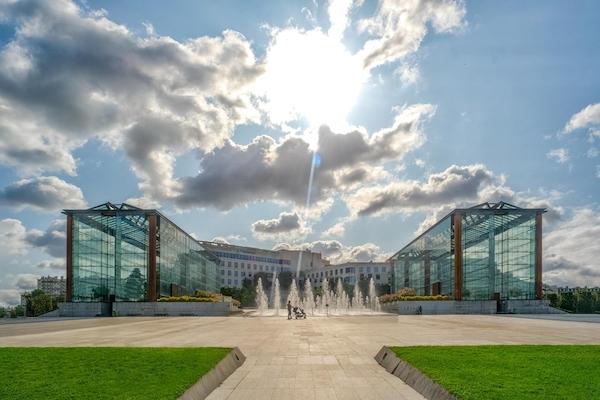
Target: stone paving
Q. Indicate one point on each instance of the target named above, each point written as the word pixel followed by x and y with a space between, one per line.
pixel 317 358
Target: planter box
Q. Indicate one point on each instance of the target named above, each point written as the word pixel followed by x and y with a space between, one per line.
pixel 435 307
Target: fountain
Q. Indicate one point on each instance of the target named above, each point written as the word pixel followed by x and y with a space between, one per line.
pixel 293 296
pixel 330 302
pixel 262 302
pixel 372 296
pixel 309 298
pixel 276 297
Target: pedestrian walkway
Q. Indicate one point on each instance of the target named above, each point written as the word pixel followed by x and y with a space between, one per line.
pixel 316 358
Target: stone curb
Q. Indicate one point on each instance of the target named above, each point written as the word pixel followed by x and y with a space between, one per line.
pixel 411 376
pixel 213 378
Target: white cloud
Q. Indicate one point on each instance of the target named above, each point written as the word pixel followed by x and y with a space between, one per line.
pixel 587 117
pixel 592 152
pixel 71 74
pixel 409 73
pixel 26 281
pixel 572 251
pixel 560 155
pixel 47 193
pixel 12 237
pixel 9 297
pixel 337 253
pixel 398 27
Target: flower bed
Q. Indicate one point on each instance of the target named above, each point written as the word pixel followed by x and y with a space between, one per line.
pixel 389 298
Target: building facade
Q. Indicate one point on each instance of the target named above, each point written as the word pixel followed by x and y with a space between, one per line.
pixel 53 285
pixel 239 262
pixel 352 272
pixel 490 251
pixel 124 253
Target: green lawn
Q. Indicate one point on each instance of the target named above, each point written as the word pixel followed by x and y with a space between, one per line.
pixel 103 372
pixel 510 372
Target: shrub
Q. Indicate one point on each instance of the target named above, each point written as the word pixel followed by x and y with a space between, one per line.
pixel 388 298
pixel 405 292
pixel 187 299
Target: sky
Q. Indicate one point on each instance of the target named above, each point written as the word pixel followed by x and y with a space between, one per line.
pixel 346 127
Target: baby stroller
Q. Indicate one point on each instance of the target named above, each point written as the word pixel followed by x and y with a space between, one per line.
pixel 299 313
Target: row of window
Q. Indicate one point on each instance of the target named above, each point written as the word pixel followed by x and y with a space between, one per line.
pixel 237 256
pixel 348 270
pixel 265 268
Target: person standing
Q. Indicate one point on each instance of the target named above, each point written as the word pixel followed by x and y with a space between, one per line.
pixel 289 307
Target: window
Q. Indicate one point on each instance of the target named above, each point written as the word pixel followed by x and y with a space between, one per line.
pixel 235 265
pixel 368 269
pixel 261 267
pixel 376 269
pixel 360 269
pixel 255 267
pixel 222 272
pixel 249 266
pixel 229 264
pixel 235 273
pixel 236 282
pixel 229 272
pixel 222 281
pixel 383 269
pixel 229 282
pixel 242 265
pixel 378 277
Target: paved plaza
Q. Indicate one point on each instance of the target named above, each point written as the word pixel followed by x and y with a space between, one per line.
pixel 316 358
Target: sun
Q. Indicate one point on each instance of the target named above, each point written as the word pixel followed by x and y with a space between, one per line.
pixel 310 75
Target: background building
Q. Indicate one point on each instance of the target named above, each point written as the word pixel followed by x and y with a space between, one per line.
pixel 124 253
pixel 352 272
pixel 490 251
pixel 53 285
pixel 239 262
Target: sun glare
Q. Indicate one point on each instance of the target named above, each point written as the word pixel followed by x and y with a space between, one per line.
pixel 310 75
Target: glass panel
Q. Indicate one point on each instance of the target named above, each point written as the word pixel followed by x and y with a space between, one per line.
pixel 427 264
pixel 109 256
pixel 498 256
pixel 183 266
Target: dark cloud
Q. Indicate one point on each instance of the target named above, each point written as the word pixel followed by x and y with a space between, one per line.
pixel 70 74
pixel 286 222
pixel 454 184
pixel 267 170
pixel 43 192
pixel 53 240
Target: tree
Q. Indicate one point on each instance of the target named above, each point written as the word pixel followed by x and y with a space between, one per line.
pixel 135 285
pixel 2 312
pixel 265 278
pixel 285 279
pixel 18 311
pixel 567 301
pixel 383 288
pixel 234 293
pixel 553 297
pixel 248 293
pixel 39 302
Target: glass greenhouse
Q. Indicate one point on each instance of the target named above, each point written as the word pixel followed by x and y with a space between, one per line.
pixel 124 253
pixel 491 251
